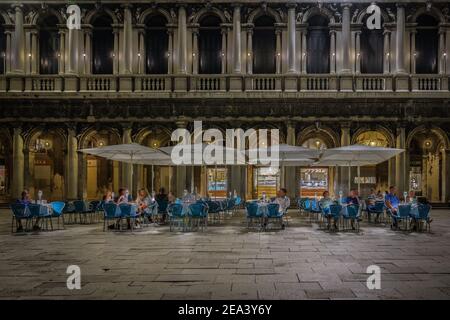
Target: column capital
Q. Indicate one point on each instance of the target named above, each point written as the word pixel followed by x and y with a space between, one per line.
pixel 181 124
pixel 236 5
pixel 345 125
pixel 126 126
pixel 17 7
pixel 291 5
pixel 400 5
pixel 126 6
pixel 346 5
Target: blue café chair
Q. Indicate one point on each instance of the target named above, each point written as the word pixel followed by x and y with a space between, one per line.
pixel 57 211
pixel 82 210
pixel 424 216
pixel 95 208
pixel 403 214
pixel 150 213
pixel 20 212
pixel 214 209
pixel 253 214
pixel 69 212
pixel 162 208
pixel 377 209
pixel 335 214
pixel 176 215
pixel 274 214
pixel 198 214
pixel 315 210
pixel 127 212
pixel 352 215
pixel 110 212
pixel 37 211
pixel 229 206
pixel 237 203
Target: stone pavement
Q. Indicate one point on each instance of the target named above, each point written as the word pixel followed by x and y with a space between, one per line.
pixel 226 262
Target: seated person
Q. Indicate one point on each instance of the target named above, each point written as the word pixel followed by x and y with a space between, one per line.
pixel 371 198
pixel 107 197
pixel 282 200
pixel 379 196
pixel 353 199
pixel 325 203
pixel 25 200
pixel 392 202
pixel 123 196
pixel 161 196
pixel 171 197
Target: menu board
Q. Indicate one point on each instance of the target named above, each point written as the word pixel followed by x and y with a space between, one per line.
pixel 217 182
pixel 267 179
pixel 313 181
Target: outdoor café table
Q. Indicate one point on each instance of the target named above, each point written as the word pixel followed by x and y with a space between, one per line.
pixel 45 209
pixel 262 208
pixel 186 204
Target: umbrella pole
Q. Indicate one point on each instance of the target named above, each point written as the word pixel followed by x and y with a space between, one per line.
pixel 192 179
pixel 215 182
pixel 359 179
pixel 349 177
pixel 170 178
pixel 153 177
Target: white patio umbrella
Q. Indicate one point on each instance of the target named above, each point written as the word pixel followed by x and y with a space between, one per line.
pixel 132 153
pixel 356 155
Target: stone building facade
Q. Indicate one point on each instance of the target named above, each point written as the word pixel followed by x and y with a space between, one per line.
pixel 137 70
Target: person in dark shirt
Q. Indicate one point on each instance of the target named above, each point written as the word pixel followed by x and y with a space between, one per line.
pixel 25 200
pixel 162 196
pixel 352 198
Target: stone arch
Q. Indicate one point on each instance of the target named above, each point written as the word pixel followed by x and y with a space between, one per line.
pixel 5 17
pixel 258 12
pixel 313 11
pixel 196 17
pixel 282 137
pixel 143 133
pixel 35 19
pixel 327 134
pixel 383 130
pixel 433 11
pixel 436 130
pixel 91 132
pixel 153 12
pixel 34 133
pixel 5 137
pixel 363 13
pixel 92 15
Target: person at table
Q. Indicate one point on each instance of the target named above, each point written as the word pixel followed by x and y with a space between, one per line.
pixel 143 202
pixel 353 200
pixel 379 196
pixel 371 198
pixel 123 196
pixel 107 197
pixel 171 197
pixel 411 197
pixel 325 204
pixel 282 200
pixel 162 196
pixel 25 200
pixel 392 202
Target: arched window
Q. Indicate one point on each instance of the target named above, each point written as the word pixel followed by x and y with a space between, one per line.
pixel 318 45
pixel 427 39
pixel 102 45
pixel 156 45
pixel 48 45
pixel 2 47
pixel 210 45
pixel 372 50
pixel 264 45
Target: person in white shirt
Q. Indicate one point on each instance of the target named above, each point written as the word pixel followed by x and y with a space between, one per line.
pixel 283 200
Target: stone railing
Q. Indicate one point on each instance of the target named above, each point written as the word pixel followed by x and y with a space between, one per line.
pixel 103 83
pixel 429 82
pixel 373 82
pixel 147 83
pixel 318 82
pixel 263 82
pixel 289 83
pixel 208 83
pixel 50 83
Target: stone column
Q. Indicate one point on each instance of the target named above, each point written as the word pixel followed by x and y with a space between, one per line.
pixel 195 50
pixel 386 51
pixel 400 163
pixel 400 40
pixel 278 33
pixel 304 44
pixel 223 53
pixel 249 49
pixel 291 178
pixel 413 51
pixel 344 171
pixel 291 38
pixel 237 39
pixel 87 53
pixel 170 51
pixel 332 51
pixel 116 50
pixel 72 164
pixel 34 52
pixel 73 52
pixel 358 52
pixel 141 52
pixel 7 57
pixel 442 53
pixel 127 40
pixel 126 167
pixel 62 51
pixel 18 164
pixel 18 48
pixel 182 41
pixel 346 34
pixel 180 171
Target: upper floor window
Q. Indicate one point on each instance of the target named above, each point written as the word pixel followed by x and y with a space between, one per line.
pixel 427 39
pixel 264 45
pixel 48 45
pixel 102 45
pixel 372 50
pixel 2 48
pixel 210 45
pixel 318 45
pixel 156 45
